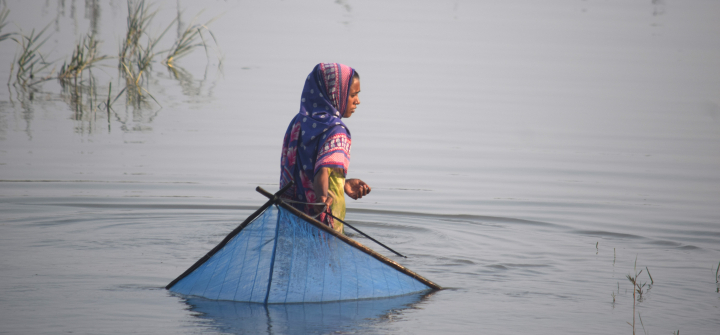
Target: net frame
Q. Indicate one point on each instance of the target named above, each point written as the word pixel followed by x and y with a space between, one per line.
pixel 274 199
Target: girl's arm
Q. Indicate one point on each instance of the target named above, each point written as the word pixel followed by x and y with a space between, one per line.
pixel 320 186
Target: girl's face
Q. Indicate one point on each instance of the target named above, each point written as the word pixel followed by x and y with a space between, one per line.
pixel 353 98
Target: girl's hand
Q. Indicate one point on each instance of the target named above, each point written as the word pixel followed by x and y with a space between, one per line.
pixel 328 203
pixel 356 188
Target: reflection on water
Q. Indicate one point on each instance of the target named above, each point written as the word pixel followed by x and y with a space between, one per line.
pixel 24 98
pixel 193 88
pixel 92 12
pixel 344 4
pixel 82 99
pixel 319 318
pixel 658 7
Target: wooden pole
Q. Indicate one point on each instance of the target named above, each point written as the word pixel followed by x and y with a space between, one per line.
pixel 368 236
pixel 273 198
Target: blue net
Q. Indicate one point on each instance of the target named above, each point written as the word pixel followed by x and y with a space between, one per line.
pixel 281 258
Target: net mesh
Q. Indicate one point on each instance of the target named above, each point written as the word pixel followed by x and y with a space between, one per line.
pixel 281 258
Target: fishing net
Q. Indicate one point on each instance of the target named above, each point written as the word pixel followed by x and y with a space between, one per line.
pixel 281 258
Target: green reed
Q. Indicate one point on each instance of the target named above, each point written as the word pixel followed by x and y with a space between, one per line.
pixel 137 52
pixel 191 38
pixel 83 57
pixel 637 290
pixel 30 61
pixel 134 71
pixel 139 18
pixel 3 22
pixel 135 60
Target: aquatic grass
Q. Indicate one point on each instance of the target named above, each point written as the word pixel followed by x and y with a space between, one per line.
pixel 190 39
pixel 3 18
pixel 139 18
pixel 84 57
pixel 134 74
pixel 637 288
pixel 638 291
pixel 135 61
pixel 641 323
pixel 137 52
pixel 108 103
pixel 30 61
pixel 133 71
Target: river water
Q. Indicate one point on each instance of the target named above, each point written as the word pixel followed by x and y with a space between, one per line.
pixel 525 155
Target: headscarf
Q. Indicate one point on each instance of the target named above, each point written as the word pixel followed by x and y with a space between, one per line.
pixel 317 137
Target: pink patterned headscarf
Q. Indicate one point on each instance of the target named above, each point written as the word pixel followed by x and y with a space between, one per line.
pixel 337 79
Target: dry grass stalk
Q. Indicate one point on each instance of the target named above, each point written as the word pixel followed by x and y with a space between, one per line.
pixel 190 39
pixel 138 21
pixel 84 57
pixel 637 288
pixel 136 60
pixel 641 323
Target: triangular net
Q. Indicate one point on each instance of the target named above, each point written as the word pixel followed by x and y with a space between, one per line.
pixel 280 257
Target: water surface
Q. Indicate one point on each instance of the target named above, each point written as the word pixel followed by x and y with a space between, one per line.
pixel 522 154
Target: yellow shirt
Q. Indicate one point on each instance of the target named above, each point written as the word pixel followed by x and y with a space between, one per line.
pixel 336 189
